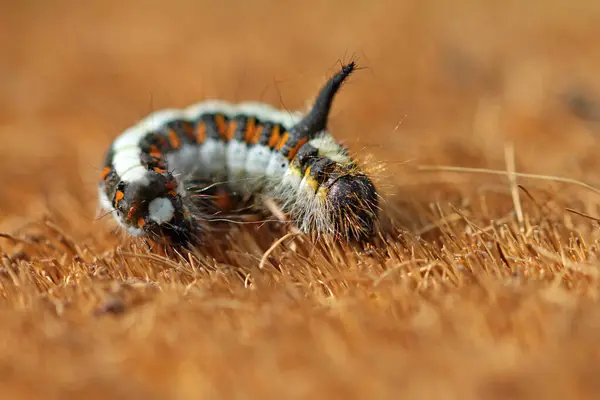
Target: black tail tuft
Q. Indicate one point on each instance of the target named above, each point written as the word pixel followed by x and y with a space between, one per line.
pixel 316 120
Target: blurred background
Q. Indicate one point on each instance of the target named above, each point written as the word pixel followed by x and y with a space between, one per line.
pixel 451 83
pixel 447 83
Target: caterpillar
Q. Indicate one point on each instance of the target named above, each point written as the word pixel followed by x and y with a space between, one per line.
pixel 163 177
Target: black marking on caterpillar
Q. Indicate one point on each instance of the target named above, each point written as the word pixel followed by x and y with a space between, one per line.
pixel 156 171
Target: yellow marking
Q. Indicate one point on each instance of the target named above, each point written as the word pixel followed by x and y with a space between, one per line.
pixel 221 126
pixel 283 140
pixel 322 193
pixel 250 128
pixel 159 170
pixel 141 222
pixel 256 135
pixel 274 137
pixel 173 139
pixel 200 132
pixel 309 180
pixel 295 149
pixel 312 183
pixel 295 171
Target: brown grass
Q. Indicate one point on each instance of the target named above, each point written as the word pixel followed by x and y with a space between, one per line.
pixel 485 285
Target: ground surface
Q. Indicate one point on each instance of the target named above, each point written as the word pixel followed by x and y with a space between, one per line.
pixel 484 287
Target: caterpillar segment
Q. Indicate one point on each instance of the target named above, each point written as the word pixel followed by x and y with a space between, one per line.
pixel 166 176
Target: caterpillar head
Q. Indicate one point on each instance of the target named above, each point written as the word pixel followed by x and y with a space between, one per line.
pixel 346 199
pixel 154 209
pixel 352 203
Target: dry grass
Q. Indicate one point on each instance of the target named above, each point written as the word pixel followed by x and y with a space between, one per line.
pixel 483 285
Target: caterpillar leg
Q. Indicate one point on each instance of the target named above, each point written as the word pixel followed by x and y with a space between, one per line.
pixel 278 213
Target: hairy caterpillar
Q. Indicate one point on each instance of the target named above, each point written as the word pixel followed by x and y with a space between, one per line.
pixel 161 177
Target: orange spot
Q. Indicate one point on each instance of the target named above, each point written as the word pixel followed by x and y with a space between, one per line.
pixel 171 185
pixel 231 129
pixel 173 139
pixel 159 170
pixel 223 200
pixel 256 135
pixel 173 192
pixel 141 222
pixel 283 140
pixel 154 152
pixel 274 136
pixel 295 149
pixel 105 172
pixel 119 196
pixel 131 211
pixel 200 132
pixel 250 128
pixel 221 126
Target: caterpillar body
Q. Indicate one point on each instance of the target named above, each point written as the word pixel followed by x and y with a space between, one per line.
pixel 161 178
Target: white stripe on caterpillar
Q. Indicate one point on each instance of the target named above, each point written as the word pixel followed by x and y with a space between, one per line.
pixel 160 210
pixel 126 161
pixel 328 147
